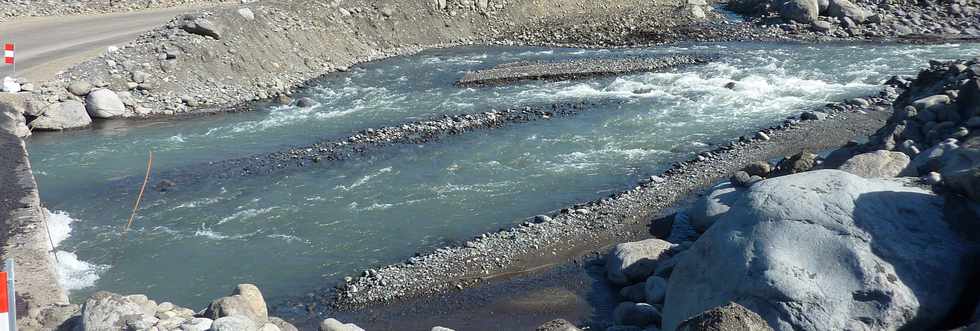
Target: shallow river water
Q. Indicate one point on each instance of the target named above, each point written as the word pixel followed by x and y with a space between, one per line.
pixel 294 232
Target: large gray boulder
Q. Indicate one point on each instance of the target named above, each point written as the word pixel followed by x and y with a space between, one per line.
pixel 846 9
pixel 234 323
pixel 826 250
pixel 635 261
pixel 109 311
pixel 63 115
pixel 104 103
pixel 730 317
pixel 712 206
pixel 877 164
pixel 804 11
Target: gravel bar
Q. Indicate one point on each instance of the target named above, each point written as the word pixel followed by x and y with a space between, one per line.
pixel 574 69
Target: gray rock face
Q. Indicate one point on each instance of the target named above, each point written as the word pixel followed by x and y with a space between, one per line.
pixel 13 122
pixel 108 311
pixel 877 164
pixel 635 314
pixel 253 297
pixel 203 27
pixel 825 250
pixel 804 11
pixel 845 9
pixel 104 103
pixel 60 116
pixel 709 208
pixel 634 261
pixel 725 318
pixel 961 169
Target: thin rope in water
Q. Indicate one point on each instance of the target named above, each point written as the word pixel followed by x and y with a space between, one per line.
pixel 136 206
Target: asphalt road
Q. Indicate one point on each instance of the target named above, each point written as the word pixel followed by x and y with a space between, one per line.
pixel 47 45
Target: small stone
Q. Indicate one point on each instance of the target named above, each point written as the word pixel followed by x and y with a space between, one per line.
pixel 932 178
pixel 761 136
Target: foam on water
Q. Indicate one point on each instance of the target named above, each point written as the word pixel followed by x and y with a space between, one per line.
pixel 73 274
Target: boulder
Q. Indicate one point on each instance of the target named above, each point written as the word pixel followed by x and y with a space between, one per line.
pixel 63 115
pixel 246 13
pixel 797 163
pixel 558 325
pixel 440 328
pixel 758 168
pixel 104 103
pixel 743 179
pixel 804 11
pixel 331 324
pixel 253 297
pixel 724 318
pixel 931 159
pixel 635 261
pixel 108 311
pixel 635 314
pixel 635 292
pixel 826 250
pixel 203 27
pixel 197 324
pixel 846 9
pixel 10 85
pixel 961 169
pixel 234 323
pixel 931 103
pixel 235 305
pixel 877 164
pixel 655 288
pixel 13 122
pixel 305 102
pixel 79 88
pixel 709 208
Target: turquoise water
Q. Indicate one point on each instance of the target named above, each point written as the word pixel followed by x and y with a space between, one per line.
pixel 294 232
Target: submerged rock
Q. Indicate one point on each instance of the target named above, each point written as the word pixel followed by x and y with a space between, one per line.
pixel 826 250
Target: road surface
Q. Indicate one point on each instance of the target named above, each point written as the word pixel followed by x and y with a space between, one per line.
pixel 47 45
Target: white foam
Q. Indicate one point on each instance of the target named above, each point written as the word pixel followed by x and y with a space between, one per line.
pixel 364 180
pixel 73 274
pixel 208 233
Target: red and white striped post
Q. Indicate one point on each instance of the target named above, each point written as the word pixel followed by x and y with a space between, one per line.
pixel 8 57
pixel 8 303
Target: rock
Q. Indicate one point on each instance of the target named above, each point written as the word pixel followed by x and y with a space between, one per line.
pixel 743 179
pixel 108 311
pixel 269 327
pixel 797 163
pixel 709 208
pixel 283 99
pixel 69 114
pixel 635 292
pixel 282 324
pixel 197 324
pixel 826 250
pixel 12 121
pixel 635 261
pixel 758 168
pixel 932 178
pixel 305 102
pixel 440 328
pixel 931 103
pixel 969 101
pixel 805 11
pixel 79 88
pixel 558 325
pixel 822 26
pixel 10 85
pixel 655 288
pixel 203 27
pixel 860 102
pixel 140 76
pixel 234 323
pixel 961 169
pixel 235 305
pixel 104 103
pixel 728 317
pixel 253 297
pixel 761 136
pixel 246 13
pixel 846 9
pixel 730 85
pixel 635 314
pixel 931 159
pixel 331 324
pixel 813 115
pixel 877 164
